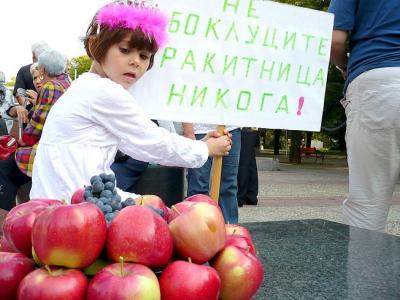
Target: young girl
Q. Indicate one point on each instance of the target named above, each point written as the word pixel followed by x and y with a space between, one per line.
pixel 97 115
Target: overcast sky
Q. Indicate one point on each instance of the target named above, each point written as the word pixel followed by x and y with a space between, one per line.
pixel 59 23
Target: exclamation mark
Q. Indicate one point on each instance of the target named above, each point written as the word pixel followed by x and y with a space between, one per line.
pixel 301 102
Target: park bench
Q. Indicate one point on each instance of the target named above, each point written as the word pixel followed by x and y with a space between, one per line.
pixel 312 152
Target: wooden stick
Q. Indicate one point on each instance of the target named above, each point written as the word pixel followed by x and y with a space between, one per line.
pixel 216 171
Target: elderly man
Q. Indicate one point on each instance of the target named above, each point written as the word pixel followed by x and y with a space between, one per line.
pixel 24 77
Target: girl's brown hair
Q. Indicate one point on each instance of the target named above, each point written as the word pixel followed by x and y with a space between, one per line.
pixel 103 39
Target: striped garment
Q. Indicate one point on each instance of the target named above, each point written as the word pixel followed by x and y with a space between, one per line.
pixel 49 95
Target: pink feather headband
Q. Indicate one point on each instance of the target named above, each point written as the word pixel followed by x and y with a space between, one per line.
pixel 149 20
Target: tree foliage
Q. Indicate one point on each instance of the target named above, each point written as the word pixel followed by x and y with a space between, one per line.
pixel 81 64
pixel 333 112
pixel 11 82
pixel 314 4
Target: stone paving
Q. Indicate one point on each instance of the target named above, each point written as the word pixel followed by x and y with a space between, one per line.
pixel 309 190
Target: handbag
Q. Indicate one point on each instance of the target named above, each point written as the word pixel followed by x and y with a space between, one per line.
pixel 8 145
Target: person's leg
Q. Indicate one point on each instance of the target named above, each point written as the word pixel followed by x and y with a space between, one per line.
pixel 244 168
pixel 11 178
pixel 3 127
pixel 228 189
pixel 252 188
pixel 198 179
pixel 128 172
pixel 373 147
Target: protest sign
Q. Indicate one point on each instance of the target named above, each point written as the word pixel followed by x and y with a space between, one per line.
pixel 240 62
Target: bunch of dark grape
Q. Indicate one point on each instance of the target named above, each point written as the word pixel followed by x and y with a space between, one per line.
pixel 102 192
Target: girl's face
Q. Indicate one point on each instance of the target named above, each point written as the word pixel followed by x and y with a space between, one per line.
pixel 37 80
pixel 125 65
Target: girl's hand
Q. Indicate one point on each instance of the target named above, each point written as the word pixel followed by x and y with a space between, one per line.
pixel 218 146
pixel 215 134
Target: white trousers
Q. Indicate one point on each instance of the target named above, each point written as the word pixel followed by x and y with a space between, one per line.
pixel 373 146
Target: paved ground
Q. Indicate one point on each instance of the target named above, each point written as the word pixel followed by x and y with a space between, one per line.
pixel 308 191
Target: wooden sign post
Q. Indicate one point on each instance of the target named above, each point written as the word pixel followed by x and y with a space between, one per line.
pixel 216 171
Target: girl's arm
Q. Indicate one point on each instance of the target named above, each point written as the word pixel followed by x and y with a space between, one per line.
pixel 117 111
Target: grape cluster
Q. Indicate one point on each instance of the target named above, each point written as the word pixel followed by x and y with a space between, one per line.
pixel 103 194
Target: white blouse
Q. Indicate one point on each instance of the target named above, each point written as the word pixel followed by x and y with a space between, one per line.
pixel 87 125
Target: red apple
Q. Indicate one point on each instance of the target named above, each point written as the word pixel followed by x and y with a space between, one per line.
pixel 78 196
pixel 54 283
pixel 235 229
pixel 49 201
pixel 18 223
pixel 13 268
pixel 178 209
pixel 240 271
pixel 72 236
pixel 124 281
pixel 95 267
pixel 155 202
pixel 188 281
pixel 240 242
pixel 139 235
pixel 239 236
pixel 169 213
pixel 202 198
pixel 36 259
pixel 198 232
pixel 5 246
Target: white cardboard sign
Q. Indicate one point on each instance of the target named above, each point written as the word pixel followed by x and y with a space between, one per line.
pixel 240 62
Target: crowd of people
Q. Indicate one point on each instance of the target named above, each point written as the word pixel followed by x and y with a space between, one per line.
pixel 43 82
pixel 71 131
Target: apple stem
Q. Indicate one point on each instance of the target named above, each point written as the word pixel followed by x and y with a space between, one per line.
pixel 247 249
pixel 121 260
pixel 141 200
pixel 190 259
pixel 48 269
pixel 175 209
pixel 234 231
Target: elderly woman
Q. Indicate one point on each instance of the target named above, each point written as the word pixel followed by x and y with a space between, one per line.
pixel 16 171
pixel 20 112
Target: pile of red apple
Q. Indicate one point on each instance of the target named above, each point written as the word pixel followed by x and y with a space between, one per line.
pixel 55 251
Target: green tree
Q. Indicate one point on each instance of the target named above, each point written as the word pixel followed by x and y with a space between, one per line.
pixel 314 4
pixel 80 64
pixel 11 82
pixel 334 114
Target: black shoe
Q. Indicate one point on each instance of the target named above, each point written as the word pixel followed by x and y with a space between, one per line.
pixel 252 202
